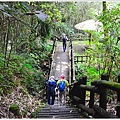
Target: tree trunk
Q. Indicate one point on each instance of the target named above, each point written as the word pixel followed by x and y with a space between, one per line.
pixel 104 14
pixel 6 42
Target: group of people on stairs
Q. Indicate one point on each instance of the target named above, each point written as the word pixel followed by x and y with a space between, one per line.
pixel 62 84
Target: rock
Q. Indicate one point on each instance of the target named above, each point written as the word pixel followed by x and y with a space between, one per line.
pixel 14 109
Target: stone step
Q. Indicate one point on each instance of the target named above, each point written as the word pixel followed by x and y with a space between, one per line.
pixel 67 116
pixel 59 108
pixel 57 111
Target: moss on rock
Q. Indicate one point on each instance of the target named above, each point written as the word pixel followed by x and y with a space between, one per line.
pixel 14 109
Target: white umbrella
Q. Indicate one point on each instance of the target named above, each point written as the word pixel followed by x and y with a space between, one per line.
pixel 88 25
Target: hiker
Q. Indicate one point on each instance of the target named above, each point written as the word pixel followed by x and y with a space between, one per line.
pixel 51 85
pixel 62 85
pixel 64 39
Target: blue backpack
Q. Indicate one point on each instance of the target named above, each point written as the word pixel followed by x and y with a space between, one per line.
pixel 61 86
pixel 51 85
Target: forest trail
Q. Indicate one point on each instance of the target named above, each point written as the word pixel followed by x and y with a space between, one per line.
pixel 61 66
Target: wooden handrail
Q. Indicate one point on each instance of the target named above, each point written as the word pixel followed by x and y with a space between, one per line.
pixel 52 57
pixel 102 113
pixel 71 63
pixel 81 58
pixel 107 84
pixel 77 96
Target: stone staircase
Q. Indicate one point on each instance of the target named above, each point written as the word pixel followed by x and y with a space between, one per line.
pixel 65 111
pixel 57 111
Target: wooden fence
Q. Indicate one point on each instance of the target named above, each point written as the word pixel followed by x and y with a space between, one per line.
pixel 77 96
pixel 81 58
pixel 88 58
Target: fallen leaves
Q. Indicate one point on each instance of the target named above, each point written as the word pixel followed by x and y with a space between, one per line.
pixel 26 104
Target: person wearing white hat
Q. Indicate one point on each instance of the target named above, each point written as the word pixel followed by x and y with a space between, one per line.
pixel 51 85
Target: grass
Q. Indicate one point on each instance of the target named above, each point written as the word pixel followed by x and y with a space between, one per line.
pixel 79 42
pixel 78 47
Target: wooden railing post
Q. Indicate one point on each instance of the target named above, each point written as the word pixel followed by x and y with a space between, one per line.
pixel 91 102
pixel 77 59
pixel 51 58
pixel 75 91
pixel 118 99
pixel 53 46
pixel 83 91
pixel 103 95
pixel 50 62
pixel 71 61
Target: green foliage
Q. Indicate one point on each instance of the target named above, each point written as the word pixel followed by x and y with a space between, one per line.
pixel 21 7
pixel 14 109
pixel 51 10
pixel 111 32
pixel 92 71
pixel 84 69
pixel 104 49
pixel 28 66
pixel 26 69
pixel 65 28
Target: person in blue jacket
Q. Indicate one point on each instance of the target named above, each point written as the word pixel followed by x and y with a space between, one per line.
pixel 51 85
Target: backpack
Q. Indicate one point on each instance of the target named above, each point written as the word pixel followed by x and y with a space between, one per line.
pixel 61 86
pixel 64 39
pixel 51 85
